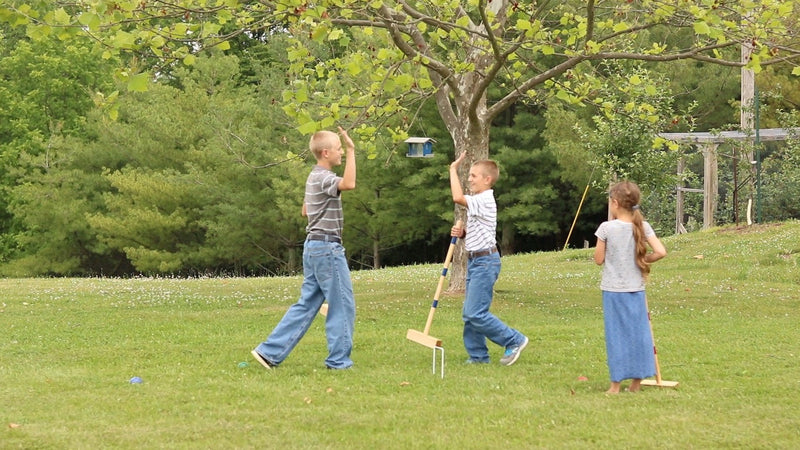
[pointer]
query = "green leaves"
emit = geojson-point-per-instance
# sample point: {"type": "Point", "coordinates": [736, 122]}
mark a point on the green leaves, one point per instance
{"type": "Point", "coordinates": [138, 82]}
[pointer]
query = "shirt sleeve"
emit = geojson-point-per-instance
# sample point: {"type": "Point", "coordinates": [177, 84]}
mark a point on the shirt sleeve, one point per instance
{"type": "Point", "coordinates": [330, 185]}
{"type": "Point", "coordinates": [648, 230]}
{"type": "Point", "coordinates": [602, 231]}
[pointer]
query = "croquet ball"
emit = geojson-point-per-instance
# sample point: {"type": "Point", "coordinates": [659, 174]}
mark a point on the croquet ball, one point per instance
{"type": "Point", "coordinates": [243, 364]}
{"type": "Point", "coordinates": [136, 380]}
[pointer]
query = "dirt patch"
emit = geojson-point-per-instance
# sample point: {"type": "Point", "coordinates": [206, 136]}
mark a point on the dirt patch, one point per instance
{"type": "Point", "coordinates": [745, 229]}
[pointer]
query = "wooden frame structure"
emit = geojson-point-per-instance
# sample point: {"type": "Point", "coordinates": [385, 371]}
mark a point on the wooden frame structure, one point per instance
{"type": "Point", "coordinates": [709, 142]}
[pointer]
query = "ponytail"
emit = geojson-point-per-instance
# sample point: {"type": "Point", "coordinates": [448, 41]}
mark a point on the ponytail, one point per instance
{"type": "Point", "coordinates": [627, 195]}
{"type": "Point", "coordinates": [641, 242]}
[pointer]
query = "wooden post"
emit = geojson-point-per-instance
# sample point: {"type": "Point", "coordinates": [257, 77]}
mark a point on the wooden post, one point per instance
{"type": "Point", "coordinates": [747, 86]}
{"type": "Point", "coordinates": [679, 199]}
{"type": "Point", "coordinates": [710, 182]}
{"type": "Point", "coordinates": [746, 118]}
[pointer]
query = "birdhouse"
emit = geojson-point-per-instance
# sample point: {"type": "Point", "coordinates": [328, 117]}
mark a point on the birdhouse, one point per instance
{"type": "Point", "coordinates": [419, 147]}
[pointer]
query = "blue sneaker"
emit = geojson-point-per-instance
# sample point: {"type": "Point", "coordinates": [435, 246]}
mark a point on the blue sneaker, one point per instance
{"type": "Point", "coordinates": [512, 353]}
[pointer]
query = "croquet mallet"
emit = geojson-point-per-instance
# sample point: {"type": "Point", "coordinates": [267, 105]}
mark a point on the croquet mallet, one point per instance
{"type": "Point", "coordinates": [658, 381]}
{"type": "Point", "coordinates": [422, 337]}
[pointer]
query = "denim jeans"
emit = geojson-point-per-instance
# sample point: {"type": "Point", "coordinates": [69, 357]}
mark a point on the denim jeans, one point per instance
{"type": "Point", "coordinates": [326, 277]}
{"type": "Point", "coordinates": [479, 323]}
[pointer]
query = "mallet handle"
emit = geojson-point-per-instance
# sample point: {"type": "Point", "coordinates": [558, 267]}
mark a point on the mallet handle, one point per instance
{"type": "Point", "coordinates": [447, 259]}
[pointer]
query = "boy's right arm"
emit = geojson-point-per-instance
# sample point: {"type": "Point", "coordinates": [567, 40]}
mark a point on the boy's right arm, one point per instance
{"type": "Point", "coordinates": [455, 183]}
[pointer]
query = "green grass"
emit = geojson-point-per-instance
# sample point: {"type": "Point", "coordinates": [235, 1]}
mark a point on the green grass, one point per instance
{"type": "Point", "coordinates": [726, 327]}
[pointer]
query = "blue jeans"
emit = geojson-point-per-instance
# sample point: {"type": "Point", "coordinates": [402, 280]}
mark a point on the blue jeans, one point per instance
{"type": "Point", "coordinates": [326, 276]}
{"type": "Point", "coordinates": [479, 323]}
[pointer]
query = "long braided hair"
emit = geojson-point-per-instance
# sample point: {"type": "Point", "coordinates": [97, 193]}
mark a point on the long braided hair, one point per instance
{"type": "Point", "coordinates": [627, 195]}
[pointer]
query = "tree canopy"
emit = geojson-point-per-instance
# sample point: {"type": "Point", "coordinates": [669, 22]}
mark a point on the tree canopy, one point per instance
{"type": "Point", "coordinates": [374, 66]}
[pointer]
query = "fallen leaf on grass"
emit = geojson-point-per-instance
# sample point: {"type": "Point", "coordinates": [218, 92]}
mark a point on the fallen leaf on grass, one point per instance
{"type": "Point", "coordinates": [307, 400]}
{"type": "Point", "coordinates": [13, 425]}
{"type": "Point", "coordinates": [405, 383]}
{"type": "Point", "coordinates": [697, 256]}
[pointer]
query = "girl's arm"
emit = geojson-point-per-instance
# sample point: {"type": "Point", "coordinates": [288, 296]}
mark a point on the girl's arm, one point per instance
{"type": "Point", "coordinates": [600, 252]}
{"type": "Point", "coordinates": [659, 251]}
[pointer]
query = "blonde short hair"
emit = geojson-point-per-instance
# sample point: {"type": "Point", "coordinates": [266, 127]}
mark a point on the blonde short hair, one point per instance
{"type": "Point", "coordinates": [490, 169]}
{"type": "Point", "coordinates": [322, 140]}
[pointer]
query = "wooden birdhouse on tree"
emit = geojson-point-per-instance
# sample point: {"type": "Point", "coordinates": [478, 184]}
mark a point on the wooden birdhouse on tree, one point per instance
{"type": "Point", "coordinates": [419, 147]}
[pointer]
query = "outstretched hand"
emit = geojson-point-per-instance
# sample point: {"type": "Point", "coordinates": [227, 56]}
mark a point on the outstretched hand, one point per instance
{"type": "Point", "coordinates": [348, 143]}
{"type": "Point", "coordinates": [455, 164]}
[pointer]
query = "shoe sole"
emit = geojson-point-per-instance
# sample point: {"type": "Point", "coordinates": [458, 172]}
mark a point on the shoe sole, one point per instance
{"type": "Point", "coordinates": [261, 359]}
{"type": "Point", "coordinates": [519, 352]}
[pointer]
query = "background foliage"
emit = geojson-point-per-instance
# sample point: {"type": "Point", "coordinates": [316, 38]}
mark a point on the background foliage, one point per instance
{"type": "Point", "coordinates": [128, 149]}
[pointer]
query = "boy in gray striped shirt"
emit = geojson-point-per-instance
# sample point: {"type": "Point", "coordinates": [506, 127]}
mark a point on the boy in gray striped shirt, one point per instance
{"type": "Point", "coordinates": [483, 265]}
{"type": "Point", "coordinates": [325, 270]}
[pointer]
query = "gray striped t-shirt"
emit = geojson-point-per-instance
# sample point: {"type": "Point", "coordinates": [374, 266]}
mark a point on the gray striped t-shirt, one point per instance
{"type": "Point", "coordinates": [481, 221]}
{"type": "Point", "coordinates": [323, 203]}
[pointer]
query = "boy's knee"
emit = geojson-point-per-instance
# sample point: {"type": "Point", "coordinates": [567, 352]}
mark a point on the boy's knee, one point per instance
{"type": "Point", "coordinates": [472, 317]}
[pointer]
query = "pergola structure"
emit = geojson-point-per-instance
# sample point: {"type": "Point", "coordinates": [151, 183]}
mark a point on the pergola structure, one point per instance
{"type": "Point", "coordinates": [709, 142]}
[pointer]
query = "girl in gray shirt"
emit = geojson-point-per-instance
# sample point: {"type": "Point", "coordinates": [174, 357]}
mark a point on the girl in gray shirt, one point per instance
{"type": "Point", "coordinates": [622, 249]}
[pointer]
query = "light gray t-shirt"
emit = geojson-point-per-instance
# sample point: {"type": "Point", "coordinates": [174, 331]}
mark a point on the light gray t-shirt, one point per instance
{"type": "Point", "coordinates": [620, 272]}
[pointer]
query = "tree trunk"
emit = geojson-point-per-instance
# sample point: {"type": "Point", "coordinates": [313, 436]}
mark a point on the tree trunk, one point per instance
{"type": "Point", "coordinates": [475, 141]}
{"type": "Point", "coordinates": [508, 240]}
{"type": "Point", "coordinates": [376, 254]}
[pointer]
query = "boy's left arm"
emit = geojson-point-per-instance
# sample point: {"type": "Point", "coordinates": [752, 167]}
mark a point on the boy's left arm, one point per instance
{"type": "Point", "coordinates": [348, 181]}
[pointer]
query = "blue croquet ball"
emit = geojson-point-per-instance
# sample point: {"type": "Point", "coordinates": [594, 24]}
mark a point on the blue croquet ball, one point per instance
{"type": "Point", "coordinates": [243, 364]}
{"type": "Point", "coordinates": [136, 380]}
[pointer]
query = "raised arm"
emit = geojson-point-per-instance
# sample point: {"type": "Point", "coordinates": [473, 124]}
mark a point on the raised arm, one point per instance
{"type": "Point", "coordinates": [455, 182]}
{"type": "Point", "coordinates": [348, 181]}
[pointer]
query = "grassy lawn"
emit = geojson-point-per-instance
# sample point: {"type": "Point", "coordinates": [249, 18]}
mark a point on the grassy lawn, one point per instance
{"type": "Point", "coordinates": [725, 307]}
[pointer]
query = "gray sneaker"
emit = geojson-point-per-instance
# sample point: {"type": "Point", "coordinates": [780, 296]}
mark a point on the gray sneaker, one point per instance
{"type": "Point", "coordinates": [512, 353]}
